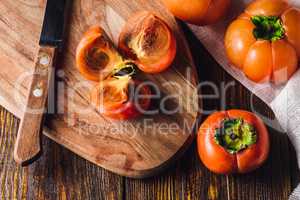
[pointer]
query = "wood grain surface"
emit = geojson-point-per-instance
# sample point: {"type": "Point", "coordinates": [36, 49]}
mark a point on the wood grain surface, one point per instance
{"type": "Point", "coordinates": [134, 148]}
{"type": "Point", "coordinates": [60, 174]}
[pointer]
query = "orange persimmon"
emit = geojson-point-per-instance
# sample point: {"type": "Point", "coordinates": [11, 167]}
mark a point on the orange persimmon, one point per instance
{"type": "Point", "coordinates": [149, 41]}
{"type": "Point", "coordinates": [234, 141]}
{"type": "Point", "coordinates": [199, 12]}
{"type": "Point", "coordinates": [264, 41]}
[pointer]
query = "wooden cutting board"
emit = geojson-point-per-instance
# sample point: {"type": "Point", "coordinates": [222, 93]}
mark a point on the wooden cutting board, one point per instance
{"type": "Point", "coordinates": [135, 148]}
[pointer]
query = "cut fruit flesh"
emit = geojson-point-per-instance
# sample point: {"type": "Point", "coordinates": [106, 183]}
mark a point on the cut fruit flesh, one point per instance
{"type": "Point", "coordinates": [148, 40]}
{"type": "Point", "coordinates": [116, 97]}
{"type": "Point", "coordinates": [152, 42]}
{"type": "Point", "coordinates": [115, 91]}
{"type": "Point", "coordinates": [95, 56]}
{"type": "Point", "coordinates": [111, 93]}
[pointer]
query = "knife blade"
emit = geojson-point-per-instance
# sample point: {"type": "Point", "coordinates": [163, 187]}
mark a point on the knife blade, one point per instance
{"type": "Point", "coordinates": [28, 143]}
{"type": "Point", "coordinates": [54, 23]}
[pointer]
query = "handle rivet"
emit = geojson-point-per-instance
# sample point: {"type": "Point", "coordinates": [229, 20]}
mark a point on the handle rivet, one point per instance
{"type": "Point", "coordinates": [44, 60]}
{"type": "Point", "coordinates": [38, 92]}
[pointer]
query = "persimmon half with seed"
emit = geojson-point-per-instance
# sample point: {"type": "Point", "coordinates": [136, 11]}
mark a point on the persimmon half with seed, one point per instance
{"type": "Point", "coordinates": [120, 96]}
{"type": "Point", "coordinates": [264, 41]}
{"type": "Point", "coordinates": [96, 56]}
{"type": "Point", "coordinates": [149, 41]}
{"type": "Point", "coordinates": [234, 141]}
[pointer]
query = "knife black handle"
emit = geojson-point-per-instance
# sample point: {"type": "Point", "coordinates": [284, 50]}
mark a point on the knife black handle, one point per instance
{"type": "Point", "coordinates": [28, 145]}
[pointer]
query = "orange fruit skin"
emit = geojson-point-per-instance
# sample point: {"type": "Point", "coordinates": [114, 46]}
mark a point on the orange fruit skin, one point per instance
{"type": "Point", "coordinates": [284, 61]}
{"type": "Point", "coordinates": [267, 7]}
{"type": "Point", "coordinates": [238, 40]}
{"type": "Point", "coordinates": [213, 156]}
{"type": "Point", "coordinates": [291, 22]}
{"type": "Point", "coordinates": [263, 61]}
{"type": "Point", "coordinates": [255, 155]}
{"type": "Point", "coordinates": [217, 159]}
{"type": "Point", "coordinates": [199, 12]}
{"type": "Point", "coordinates": [258, 62]}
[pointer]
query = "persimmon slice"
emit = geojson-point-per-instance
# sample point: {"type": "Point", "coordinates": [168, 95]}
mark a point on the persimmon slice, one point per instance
{"type": "Point", "coordinates": [149, 40]}
{"type": "Point", "coordinates": [95, 55]}
{"type": "Point", "coordinates": [116, 97]}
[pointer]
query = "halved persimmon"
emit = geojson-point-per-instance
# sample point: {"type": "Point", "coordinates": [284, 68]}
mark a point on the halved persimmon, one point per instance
{"type": "Point", "coordinates": [120, 96]}
{"type": "Point", "coordinates": [149, 41]}
{"type": "Point", "coordinates": [264, 41]}
{"type": "Point", "coordinates": [96, 56]}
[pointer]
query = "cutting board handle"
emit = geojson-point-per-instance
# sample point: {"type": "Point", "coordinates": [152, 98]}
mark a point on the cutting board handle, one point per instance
{"type": "Point", "coordinates": [28, 143]}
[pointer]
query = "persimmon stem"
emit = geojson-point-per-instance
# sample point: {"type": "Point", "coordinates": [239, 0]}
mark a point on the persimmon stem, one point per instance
{"type": "Point", "coordinates": [125, 69]}
{"type": "Point", "coordinates": [235, 135]}
{"type": "Point", "coordinates": [268, 28]}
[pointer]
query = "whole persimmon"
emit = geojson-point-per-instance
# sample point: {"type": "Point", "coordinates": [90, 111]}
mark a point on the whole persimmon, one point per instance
{"type": "Point", "coordinates": [199, 12]}
{"type": "Point", "coordinates": [234, 141]}
{"type": "Point", "coordinates": [264, 41]}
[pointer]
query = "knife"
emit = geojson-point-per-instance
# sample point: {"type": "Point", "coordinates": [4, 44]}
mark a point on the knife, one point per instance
{"type": "Point", "coordinates": [28, 142]}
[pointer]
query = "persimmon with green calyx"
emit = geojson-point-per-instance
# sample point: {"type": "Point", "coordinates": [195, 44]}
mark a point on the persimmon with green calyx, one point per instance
{"type": "Point", "coordinates": [263, 41]}
{"type": "Point", "coordinates": [235, 135]}
{"type": "Point", "coordinates": [234, 141]}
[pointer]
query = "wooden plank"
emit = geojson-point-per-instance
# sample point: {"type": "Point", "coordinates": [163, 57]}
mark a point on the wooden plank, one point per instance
{"type": "Point", "coordinates": [188, 179]}
{"type": "Point", "coordinates": [58, 174]}
{"type": "Point", "coordinates": [13, 178]}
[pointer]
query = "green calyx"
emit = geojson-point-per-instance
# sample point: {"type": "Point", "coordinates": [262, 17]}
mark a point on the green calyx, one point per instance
{"type": "Point", "coordinates": [268, 28]}
{"type": "Point", "coordinates": [235, 135]}
{"type": "Point", "coordinates": [125, 69]}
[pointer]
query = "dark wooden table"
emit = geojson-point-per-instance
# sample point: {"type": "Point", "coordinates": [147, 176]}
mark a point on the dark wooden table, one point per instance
{"type": "Point", "coordinates": [60, 174]}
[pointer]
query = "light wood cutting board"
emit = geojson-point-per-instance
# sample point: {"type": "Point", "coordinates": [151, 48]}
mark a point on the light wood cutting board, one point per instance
{"type": "Point", "coordinates": [134, 148]}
